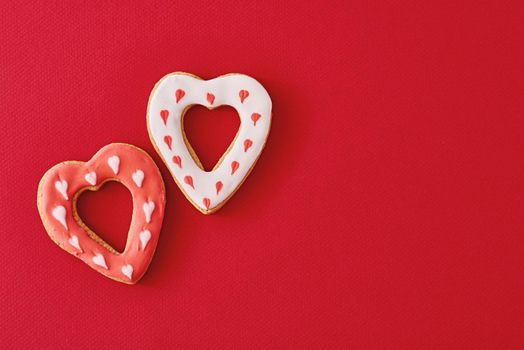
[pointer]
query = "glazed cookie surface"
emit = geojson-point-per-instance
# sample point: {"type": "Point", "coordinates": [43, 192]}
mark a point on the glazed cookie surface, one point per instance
{"type": "Point", "coordinates": [58, 192]}
{"type": "Point", "coordinates": [172, 96]}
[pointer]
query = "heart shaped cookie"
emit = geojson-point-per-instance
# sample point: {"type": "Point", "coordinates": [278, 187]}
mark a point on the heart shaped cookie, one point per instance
{"type": "Point", "coordinates": [62, 184]}
{"type": "Point", "coordinates": [172, 96]}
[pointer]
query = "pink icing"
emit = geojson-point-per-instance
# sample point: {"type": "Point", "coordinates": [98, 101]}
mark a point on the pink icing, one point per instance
{"type": "Point", "coordinates": [151, 190]}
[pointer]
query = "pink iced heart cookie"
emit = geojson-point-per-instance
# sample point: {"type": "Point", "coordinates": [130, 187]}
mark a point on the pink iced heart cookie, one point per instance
{"type": "Point", "coordinates": [62, 184]}
{"type": "Point", "coordinates": [177, 92]}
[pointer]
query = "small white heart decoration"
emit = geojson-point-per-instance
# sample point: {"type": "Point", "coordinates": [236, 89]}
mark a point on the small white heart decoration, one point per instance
{"type": "Point", "coordinates": [73, 241]}
{"type": "Point", "coordinates": [169, 100]}
{"type": "Point", "coordinates": [91, 178]}
{"type": "Point", "coordinates": [127, 270]}
{"type": "Point", "coordinates": [148, 210]}
{"type": "Point", "coordinates": [114, 163]}
{"type": "Point", "coordinates": [99, 260]}
{"type": "Point", "coordinates": [145, 236]}
{"type": "Point", "coordinates": [61, 186]}
{"type": "Point", "coordinates": [138, 177]}
{"type": "Point", "coordinates": [59, 213]}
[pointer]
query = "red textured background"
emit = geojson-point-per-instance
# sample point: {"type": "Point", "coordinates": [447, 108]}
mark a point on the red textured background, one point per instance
{"type": "Point", "coordinates": [385, 213]}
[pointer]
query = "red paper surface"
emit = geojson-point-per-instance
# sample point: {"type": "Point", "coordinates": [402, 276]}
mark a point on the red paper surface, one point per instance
{"type": "Point", "coordinates": [385, 213]}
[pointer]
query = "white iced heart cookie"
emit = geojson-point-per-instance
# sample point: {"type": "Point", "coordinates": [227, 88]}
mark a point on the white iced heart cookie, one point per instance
{"type": "Point", "coordinates": [169, 100]}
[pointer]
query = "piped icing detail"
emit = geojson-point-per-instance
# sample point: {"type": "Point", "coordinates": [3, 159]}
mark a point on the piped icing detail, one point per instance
{"type": "Point", "coordinates": [61, 186]}
{"type": "Point", "coordinates": [127, 270]}
{"type": "Point", "coordinates": [114, 163]}
{"type": "Point", "coordinates": [74, 242]}
{"type": "Point", "coordinates": [145, 236]}
{"type": "Point", "coordinates": [91, 178]}
{"type": "Point", "coordinates": [148, 207]}
{"type": "Point", "coordinates": [99, 260]}
{"type": "Point", "coordinates": [138, 177]}
{"type": "Point", "coordinates": [59, 213]}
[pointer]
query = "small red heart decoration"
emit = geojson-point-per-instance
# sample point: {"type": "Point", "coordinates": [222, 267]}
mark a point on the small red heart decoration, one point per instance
{"type": "Point", "coordinates": [178, 161]}
{"type": "Point", "coordinates": [179, 94]}
{"type": "Point", "coordinates": [255, 117]}
{"type": "Point", "coordinates": [189, 180]}
{"type": "Point", "coordinates": [243, 94]}
{"type": "Point", "coordinates": [168, 141]}
{"type": "Point", "coordinates": [219, 186]}
{"type": "Point", "coordinates": [210, 98]}
{"type": "Point", "coordinates": [164, 114]}
{"type": "Point", "coordinates": [247, 143]}
{"type": "Point", "coordinates": [234, 167]}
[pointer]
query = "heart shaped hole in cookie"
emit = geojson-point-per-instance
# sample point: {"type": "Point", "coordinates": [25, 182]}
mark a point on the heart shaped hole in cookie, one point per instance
{"type": "Point", "coordinates": [107, 212]}
{"type": "Point", "coordinates": [209, 133]}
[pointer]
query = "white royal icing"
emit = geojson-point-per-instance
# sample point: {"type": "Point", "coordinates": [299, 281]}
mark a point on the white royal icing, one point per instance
{"type": "Point", "coordinates": [114, 163]}
{"type": "Point", "coordinates": [91, 178]}
{"type": "Point", "coordinates": [148, 210]}
{"type": "Point", "coordinates": [127, 270]}
{"type": "Point", "coordinates": [74, 242]}
{"type": "Point", "coordinates": [100, 261]}
{"type": "Point", "coordinates": [61, 186]}
{"type": "Point", "coordinates": [59, 213]}
{"type": "Point", "coordinates": [138, 177]}
{"type": "Point", "coordinates": [145, 236]}
{"type": "Point", "coordinates": [239, 91]}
